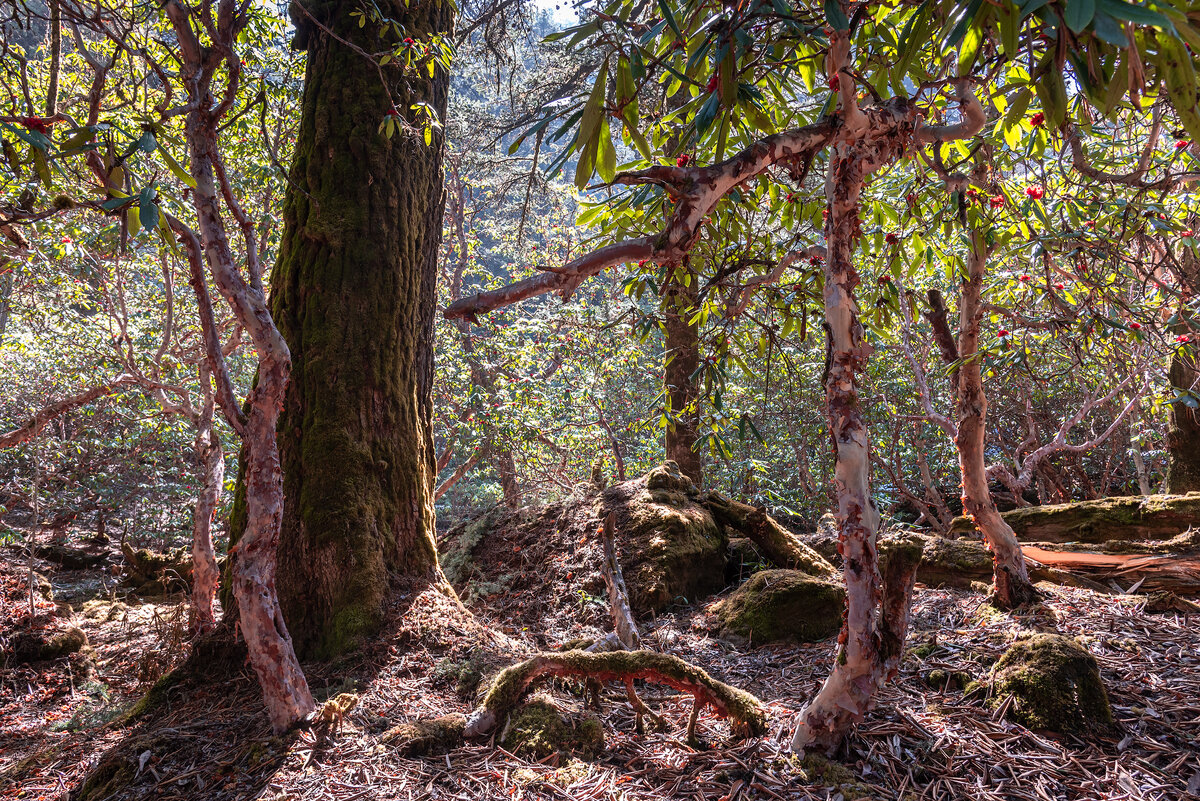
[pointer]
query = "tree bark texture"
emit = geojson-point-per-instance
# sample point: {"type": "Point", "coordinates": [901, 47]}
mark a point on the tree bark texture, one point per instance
{"type": "Point", "coordinates": [211, 458]}
{"type": "Point", "coordinates": [354, 295]}
{"type": "Point", "coordinates": [1012, 586]}
{"type": "Point", "coordinates": [682, 356]}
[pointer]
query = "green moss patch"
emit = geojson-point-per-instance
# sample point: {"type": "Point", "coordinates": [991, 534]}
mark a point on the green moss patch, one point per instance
{"type": "Point", "coordinates": [671, 549]}
{"type": "Point", "coordinates": [37, 646]}
{"type": "Point", "coordinates": [1054, 683]}
{"type": "Point", "coordinates": [424, 737]}
{"type": "Point", "coordinates": [539, 728]}
{"type": "Point", "coordinates": [776, 605]}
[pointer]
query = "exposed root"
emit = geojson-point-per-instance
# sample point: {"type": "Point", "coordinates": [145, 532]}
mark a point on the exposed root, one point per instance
{"type": "Point", "coordinates": [513, 683]}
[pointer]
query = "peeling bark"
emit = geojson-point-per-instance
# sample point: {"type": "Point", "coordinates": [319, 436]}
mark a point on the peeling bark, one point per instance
{"type": "Point", "coordinates": [260, 619]}
{"type": "Point", "coordinates": [205, 574]}
{"type": "Point", "coordinates": [1011, 584]}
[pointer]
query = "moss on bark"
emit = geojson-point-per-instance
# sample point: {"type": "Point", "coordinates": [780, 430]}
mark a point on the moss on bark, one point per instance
{"type": "Point", "coordinates": [353, 294]}
{"type": "Point", "coordinates": [539, 728]}
{"type": "Point", "coordinates": [1135, 517]}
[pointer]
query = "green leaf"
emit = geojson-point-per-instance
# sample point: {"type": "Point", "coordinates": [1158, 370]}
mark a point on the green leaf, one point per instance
{"type": "Point", "coordinates": [41, 165]}
{"type": "Point", "coordinates": [665, 8]}
{"type": "Point", "coordinates": [147, 208]}
{"type": "Point", "coordinates": [1133, 13]}
{"type": "Point", "coordinates": [833, 15]}
{"type": "Point", "coordinates": [176, 168]}
{"type": "Point", "coordinates": [1078, 14]}
{"type": "Point", "coordinates": [606, 161]}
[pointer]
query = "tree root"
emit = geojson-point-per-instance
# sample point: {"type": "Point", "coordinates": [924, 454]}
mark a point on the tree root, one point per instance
{"type": "Point", "coordinates": [513, 683]}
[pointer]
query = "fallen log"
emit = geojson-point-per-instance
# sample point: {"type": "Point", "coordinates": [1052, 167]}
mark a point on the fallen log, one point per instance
{"type": "Point", "coordinates": [511, 685]}
{"type": "Point", "coordinates": [1178, 573]}
{"type": "Point", "coordinates": [1137, 517]}
{"type": "Point", "coordinates": [778, 544]}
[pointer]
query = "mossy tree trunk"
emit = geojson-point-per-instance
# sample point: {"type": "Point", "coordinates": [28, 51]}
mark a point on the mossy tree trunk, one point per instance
{"type": "Point", "coordinates": [682, 357]}
{"type": "Point", "coordinates": [354, 297]}
{"type": "Point", "coordinates": [1011, 584]}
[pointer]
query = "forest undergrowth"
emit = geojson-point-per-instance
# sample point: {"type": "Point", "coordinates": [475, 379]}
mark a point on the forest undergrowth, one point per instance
{"type": "Point", "coordinates": [82, 726]}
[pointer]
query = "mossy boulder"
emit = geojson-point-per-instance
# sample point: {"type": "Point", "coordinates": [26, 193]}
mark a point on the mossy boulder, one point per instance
{"type": "Point", "coordinates": [149, 572]}
{"type": "Point", "coordinates": [776, 605]}
{"type": "Point", "coordinates": [539, 728]}
{"type": "Point", "coordinates": [1055, 685]}
{"type": "Point", "coordinates": [38, 646]}
{"type": "Point", "coordinates": [954, 563]}
{"type": "Point", "coordinates": [424, 737]}
{"type": "Point", "coordinates": [671, 548]}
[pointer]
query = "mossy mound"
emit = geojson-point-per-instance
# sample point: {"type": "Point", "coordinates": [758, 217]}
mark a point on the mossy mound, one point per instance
{"type": "Point", "coordinates": [457, 555]}
{"type": "Point", "coordinates": [1054, 683]}
{"type": "Point", "coordinates": [822, 771]}
{"type": "Point", "coordinates": [38, 646]}
{"type": "Point", "coordinates": [424, 737]}
{"type": "Point", "coordinates": [150, 572]}
{"type": "Point", "coordinates": [776, 605]}
{"type": "Point", "coordinates": [539, 728]}
{"type": "Point", "coordinates": [671, 549]}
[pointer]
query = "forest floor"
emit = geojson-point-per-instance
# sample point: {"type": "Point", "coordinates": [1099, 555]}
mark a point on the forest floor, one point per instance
{"type": "Point", "coordinates": [208, 738]}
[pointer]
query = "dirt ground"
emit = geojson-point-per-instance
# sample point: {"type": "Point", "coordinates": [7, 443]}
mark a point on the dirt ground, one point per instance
{"type": "Point", "coordinates": [208, 738]}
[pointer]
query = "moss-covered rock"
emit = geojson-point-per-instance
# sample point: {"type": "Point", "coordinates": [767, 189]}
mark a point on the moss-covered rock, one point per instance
{"type": "Point", "coordinates": [954, 563]}
{"type": "Point", "coordinates": [671, 549]}
{"type": "Point", "coordinates": [37, 646]}
{"type": "Point", "coordinates": [149, 572]}
{"type": "Point", "coordinates": [1055, 685]}
{"type": "Point", "coordinates": [539, 728]}
{"type": "Point", "coordinates": [778, 605]}
{"type": "Point", "coordinates": [424, 737]}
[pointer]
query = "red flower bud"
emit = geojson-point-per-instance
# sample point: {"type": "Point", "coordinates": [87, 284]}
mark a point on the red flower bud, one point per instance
{"type": "Point", "coordinates": [683, 160]}
{"type": "Point", "coordinates": [1035, 192]}
{"type": "Point", "coordinates": [996, 201]}
{"type": "Point", "coordinates": [1038, 119]}
{"type": "Point", "coordinates": [1135, 326]}
{"type": "Point", "coordinates": [1181, 144]}
{"type": "Point", "coordinates": [891, 239]}
{"type": "Point", "coordinates": [1003, 332]}
{"type": "Point", "coordinates": [834, 82]}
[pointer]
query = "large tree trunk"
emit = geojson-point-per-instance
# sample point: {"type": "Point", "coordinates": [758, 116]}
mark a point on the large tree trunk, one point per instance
{"type": "Point", "coordinates": [1012, 586]}
{"type": "Point", "coordinates": [682, 356]}
{"type": "Point", "coordinates": [354, 295]}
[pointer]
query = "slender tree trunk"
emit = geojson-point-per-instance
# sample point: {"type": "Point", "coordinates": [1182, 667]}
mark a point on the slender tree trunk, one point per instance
{"type": "Point", "coordinates": [682, 346]}
{"type": "Point", "coordinates": [507, 470]}
{"type": "Point", "coordinates": [6, 288]}
{"type": "Point", "coordinates": [872, 636]}
{"type": "Point", "coordinates": [354, 295]}
{"type": "Point", "coordinates": [211, 457]}
{"type": "Point", "coordinates": [1183, 423]}
{"type": "Point", "coordinates": [1011, 586]}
